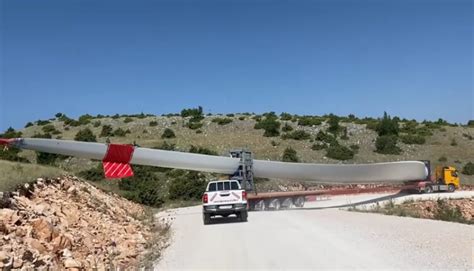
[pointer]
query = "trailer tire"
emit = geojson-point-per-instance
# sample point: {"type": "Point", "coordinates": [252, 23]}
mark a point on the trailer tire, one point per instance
{"type": "Point", "coordinates": [299, 201]}
{"type": "Point", "coordinates": [451, 188]}
{"type": "Point", "coordinates": [206, 218]}
{"type": "Point", "coordinates": [275, 204]}
{"type": "Point", "coordinates": [259, 206]}
{"type": "Point", "coordinates": [428, 189]}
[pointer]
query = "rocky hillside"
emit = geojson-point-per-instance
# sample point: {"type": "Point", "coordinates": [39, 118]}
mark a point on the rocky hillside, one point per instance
{"type": "Point", "coordinates": [65, 223]}
{"type": "Point", "coordinates": [442, 143]}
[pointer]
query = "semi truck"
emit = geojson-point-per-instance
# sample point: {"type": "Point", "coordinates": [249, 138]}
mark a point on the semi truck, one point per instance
{"type": "Point", "coordinates": [445, 178]}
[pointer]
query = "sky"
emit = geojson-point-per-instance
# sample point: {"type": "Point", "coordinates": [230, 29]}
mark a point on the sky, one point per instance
{"type": "Point", "coordinates": [413, 59]}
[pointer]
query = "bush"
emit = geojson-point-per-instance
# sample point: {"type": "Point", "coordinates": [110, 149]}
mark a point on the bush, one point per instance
{"type": "Point", "coordinates": [127, 120]}
{"type": "Point", "coordinates": [241, 118]}
{"type": "Point", "coordinates": [222, 121]}
{"type": "Point", "coordinates": [94, 174]}
{"type": "Point", "coordinates": [290, 155]}
{"type": "Point", "coordinates": [454, 142]}
{"type": "Point", "coordinates": [145, 187]}
{"type": "Point", "coordinates": [318, 146]}
{"type": "Point", "coordinates": [11, 133]}
{"type": "Point", "coordinates": [121, 132]}
{"type": "Point", "coordinates": [153, 123]}
{"type": "Point", "coordinates": [447, 213]}
{"type": "Point", "coordinates": [97, 123]}
{"type": "Point", "coordinates": [85, 135]}
{"type": "Point", "coordinates": [166, 146]}
{"type": "Point", "coordinates": [194, 125]}
{"type": "Point", "coordinates": [309, 121]}
{"type": "Point", "coordinates": [270, 125]}
{"type": "Point", "coordinates": [327, 138]}
{"type": "Point", "coordinates": [354, 148]}
{"type": "Point", "coordinates": [468, 169]}
{"type": "Point", "coordinates": [168, 133]}
{"type": "Point", "coordinates": [413, 139]}
{"type": "Point", "coordinates": [192, 112]}
{"type": "Point", "coordinates": [48, 128]}
{"type": "Point", "coordinates": [106, 131]}
{"type": "Point", "coordinates": [84, 119]}
{"type": "Point", "coordinates": [339, 152]}
{"type": "Point", "coordinates": [297, 135]}
{"type": "Point", "coordinates": [202, 150]}
{"type": "Point", "coordinates": [29, 124]}
{"type": "Point", "coordinates": [387, 126]}
{"type": "Point", "coordinates": [42, 122]}
{"type": "Point", "coordinates": [387, 144]}
{"type": "Point", "coordinates": [230, 115]}
{"type": "Point", "coordinates": [470, 123]}
{"type": "Point", "coordinates": [287, 128]}
{"type": "Point", "coordinates": [285, 116]}
{"type": "Point", "coordinates": [188, 186]}
{"type": "Point", "coordinates": [334, 126]}
{"type": "Point", "coordinates": [443, 159]}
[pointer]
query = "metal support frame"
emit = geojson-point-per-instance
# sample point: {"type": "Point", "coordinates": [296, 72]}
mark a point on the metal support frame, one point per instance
{"type": "Point", "coordinates": [244, 173]}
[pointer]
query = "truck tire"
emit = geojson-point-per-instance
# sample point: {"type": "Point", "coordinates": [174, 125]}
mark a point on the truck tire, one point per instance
{"type": "Point", "coordinates": [451, 188]}
{"type": "Point", "coordinates": [243, 216]}
{"type": "Point", "coordinates": [206, 218]}
{"type": "Point", "coordinates": [428, 189]}
{"type": "Point", "coordinates": [299, 202]}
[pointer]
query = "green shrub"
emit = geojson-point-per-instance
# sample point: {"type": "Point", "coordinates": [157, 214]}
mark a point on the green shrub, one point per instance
{"type": "Point", "coordinates": [48, 128]}
{"type": "Point", "coordinates": [168, 133]}
{"type": "Point", "coordinates": [290, 155]}
{"type": "Point", "coordinates": [192, 112]}
{"type": "Point", "coordinates": [119, 132]}
{"type": "Point", "coordinates": [94, 174]}
{"type": "Point", "coordinates": [270, 125]}
{"type": "Point", "coordinates": [230, 115]}
{"type": "Point", "coordinates": [443, 159]}
{"type": "Point", "coordinates": [297, 135]}
{"type": "Point", "coordinates": [84, 119]}
{"type": "Point", "coordinates": [327, 138]}
{"type": "Point", "coordinates": [339, 152]}
{"type": "Point", "coordinates": [470, 123]}
{"type": "Point", "coordinates": [85, 135]}
{"type": "Point", "coordinates": [194, 125]}
{"type": "Point", "coordinates": [116, 116]}
{"type": "Point", "coordinates": [241, 118]}
{"type": "Point", "coordinates": [454, 142]}
{"type": "Point", "coordinates": [355, 148]}
{"type": "Point", "coordinates": [372, 125]}
{"type": "Point", "coordinates": [11, 133]}
{"type": "Point", "coordinates": [468, 168]}
{"type": "Point", "coordinates": [387, 126]}
{"type": "Point", "coordinates": [285, 116]}
{"type": "Point", "coordinates": [222, 121]}
{"type": "Point", "coordinates": [106, 131]}
{"type": "Point", "coordinates": [188, 186]}
{"type": "Point", "coordinates": [29, 124]}
{"type": "Point", "coordinates": [447, 213]}
{"type": "Point", "coordinates": [334, 126]}
{"type": "Point", "coordinates": [153, 123]}
{"type": "Point", "coordinates": [127, 120]}
{"type": "Point", "coordinates": [413, 139]}
{"type": "Point", "coordinates": [97, 123]}
{"type": "Point", "coordinates": [166, 146]}
{"type": "Point", "coordinates": [145, 187]}
{"type": "Point", "coordinates": [318, 146]}
{"type": "Point", "coordinates": [468, 136]}
{"type": "Point", "coordinates": [42, 122]}
{"type": "Point", "coordinates": [287, 128]}
{"type": "Point", "coordinates": [387, 144]}
{"type": "Point", "coordinates": [202, 150]}
{"type": "Point", "coordinates": [309, 121]}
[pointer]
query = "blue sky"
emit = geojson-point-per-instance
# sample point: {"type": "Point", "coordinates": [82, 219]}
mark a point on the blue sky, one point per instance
{"type": "Point", "coordinates": [410, 58]}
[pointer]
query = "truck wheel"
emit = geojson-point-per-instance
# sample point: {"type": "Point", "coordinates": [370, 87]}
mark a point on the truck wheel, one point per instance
{"type": "Point", "coordinates": [206, 218]}
{"type": "Point", "coordinates": [225, 215]}
{"type": "Point", "coordinates": [276, 204]}
{"type": "Point", "coordinates": [428, 189]}
{"type": "Point", "coordinates": [243, 216]}
{"type": "Point", "coordinates": [299, 202]}
{"type": "Point", "coordinates": [451, 188]}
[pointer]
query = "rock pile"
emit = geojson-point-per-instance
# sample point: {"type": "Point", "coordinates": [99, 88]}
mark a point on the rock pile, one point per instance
{"type": "Point", "coordinates": [430, 208]}
{"type": "Point", "coordinates": [66, 223]}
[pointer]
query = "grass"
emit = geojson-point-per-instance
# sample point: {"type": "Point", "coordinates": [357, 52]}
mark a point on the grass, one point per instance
{"type": "Point", "coordinates": [12, 173]}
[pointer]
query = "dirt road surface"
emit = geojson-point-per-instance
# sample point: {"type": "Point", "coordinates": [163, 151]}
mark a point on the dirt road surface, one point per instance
{"type": "Point", "coordinates": [316, 237]}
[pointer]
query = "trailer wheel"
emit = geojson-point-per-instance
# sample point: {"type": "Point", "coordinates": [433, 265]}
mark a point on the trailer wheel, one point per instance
{"type": "Point", "coordinates": [275, 204]}
{"type": "Point", "coordinates": [287, 203]}
{"type": "Point", "coordinates": [243, 216]}
{"type": "Point", "coordinates": [451, 188]}
{"type": "Point", "coordinates": [299, 202]}
{"type": "Point", "coordinates": [428, 189]}
{"type": "Point", "coordinates": [259, 206]}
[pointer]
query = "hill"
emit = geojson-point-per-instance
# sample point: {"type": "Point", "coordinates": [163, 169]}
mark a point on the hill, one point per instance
{"type": "Point", "coordinates": [314, 139]}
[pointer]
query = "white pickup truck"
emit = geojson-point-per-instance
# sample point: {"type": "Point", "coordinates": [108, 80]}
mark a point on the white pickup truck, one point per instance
{"type": "Point", "coordinates": [224, 198]}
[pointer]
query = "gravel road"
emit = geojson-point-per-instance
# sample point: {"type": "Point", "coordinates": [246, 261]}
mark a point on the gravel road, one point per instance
{"type": "Point", "coordinates": [316, 237]}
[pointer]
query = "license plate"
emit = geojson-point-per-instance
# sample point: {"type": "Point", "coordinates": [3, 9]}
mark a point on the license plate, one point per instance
{"type": "Point", "coordinates": [225, 207]}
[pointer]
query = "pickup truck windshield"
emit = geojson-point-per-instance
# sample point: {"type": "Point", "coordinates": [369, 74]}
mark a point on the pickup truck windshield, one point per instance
{"type": "Point", "coordinates": [222, 186]}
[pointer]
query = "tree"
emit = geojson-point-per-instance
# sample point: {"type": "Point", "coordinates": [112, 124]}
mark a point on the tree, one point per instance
{"type": "Point", "coordinates": [333, 124]}
{"type": "Point", "coordinates": [387, 144]}
{"type": "Point", "coordinates": [270, 124]}
{"type": "Point", "coordinates": [168, 133]}
{"type": "Point", "coordinates": [85, 135]}
{"type": "Point", "coordinates": [290, 155]}
{"type": "Point", "coordinates": [387, 126]}
{"type": "Point", "coordinates": [106, 131]}
{"type": "Point", "coordinates": [339, 152]}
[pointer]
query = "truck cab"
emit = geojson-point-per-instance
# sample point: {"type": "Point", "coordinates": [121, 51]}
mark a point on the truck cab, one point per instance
{"type": "Point", "coordinates": [447, 176]}
{"type": "Point", "coordinates": [224, 198]}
